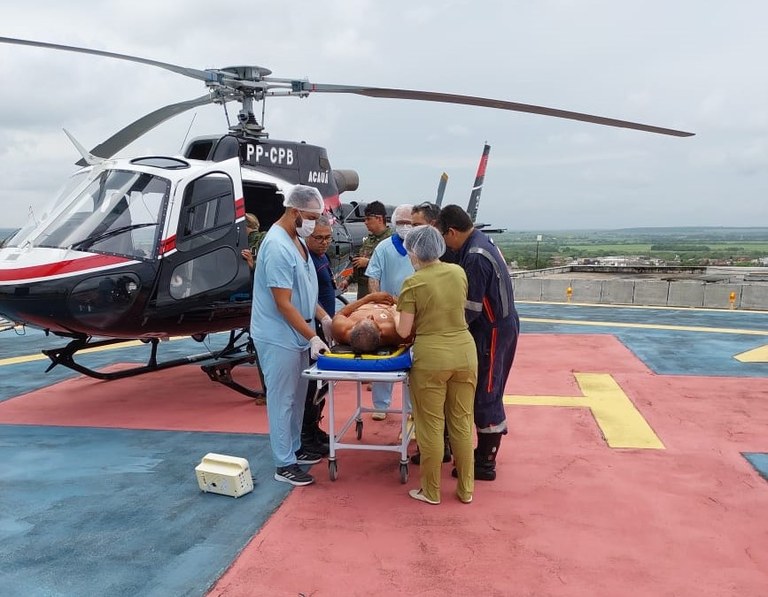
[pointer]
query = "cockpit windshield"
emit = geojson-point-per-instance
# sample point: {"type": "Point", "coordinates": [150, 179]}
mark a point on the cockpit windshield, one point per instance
{"type": "Point", "coordinates": [118, 213]}
{"type": "Point", "coordinates": [36, 219]}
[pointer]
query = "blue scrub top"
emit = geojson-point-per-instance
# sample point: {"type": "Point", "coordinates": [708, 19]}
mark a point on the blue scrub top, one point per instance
{"type": "Point", "coordinates": [389, 267]}
{"type": "Point", "coordinates": [280, 265]}
{"type": "Point", "coordinates": [326, 295]}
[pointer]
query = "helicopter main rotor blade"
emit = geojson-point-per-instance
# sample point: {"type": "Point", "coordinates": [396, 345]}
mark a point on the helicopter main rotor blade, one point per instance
{"type": "Point", "coordinates": [181, 70]}
{"type": "Point", "coordinates": [450, 98]}
{"type": "Point", "coordinates": [143, 125]}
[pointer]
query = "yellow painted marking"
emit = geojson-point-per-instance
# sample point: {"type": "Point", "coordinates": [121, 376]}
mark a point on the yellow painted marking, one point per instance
{"type": "Point", "coordinates": [620, 422]}
{"type": "Point", "coordinates": [41, 357]}
{"type": "Point", "coordinates": [647, 326]}
{"type": "Point", "coordinates": [756, 355]}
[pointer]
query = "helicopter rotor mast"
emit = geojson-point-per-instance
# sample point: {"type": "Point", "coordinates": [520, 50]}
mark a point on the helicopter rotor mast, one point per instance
{"type": "Point", "coordinates": [249, 84]}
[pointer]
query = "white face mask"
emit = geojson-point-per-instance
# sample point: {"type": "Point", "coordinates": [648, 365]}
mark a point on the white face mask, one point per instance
{"type": "Point", "coordinates": [402, 230]}
{"type": "Point", "coordinates": [307, 227]}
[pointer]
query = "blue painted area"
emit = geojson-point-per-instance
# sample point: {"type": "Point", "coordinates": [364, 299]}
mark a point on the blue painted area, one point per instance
{"type": "Point", "coordinates": [667, 352]}
{"type": "Point", "coordinates": [747, 320]}
{"type": "Point", "coordinates": [759, 461]}
{"type": "Point", "coordinates": [119, 512]}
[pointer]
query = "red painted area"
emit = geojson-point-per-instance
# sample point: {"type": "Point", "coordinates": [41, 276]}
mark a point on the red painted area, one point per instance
{"type": "Point", "coordinates": [240, 207]}
{"type": "Point", "coordinates": [168, 244]}
{"type": "Point", "coordinates": [567, 515]}
{"type": "Point", "coordinates": [60, 268]}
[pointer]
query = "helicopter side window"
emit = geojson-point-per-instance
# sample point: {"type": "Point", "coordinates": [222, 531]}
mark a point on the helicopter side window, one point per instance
{"type": "Point", "coordinates": [207, 272]}
{"type": "Point", "coordinates": [208, 212]}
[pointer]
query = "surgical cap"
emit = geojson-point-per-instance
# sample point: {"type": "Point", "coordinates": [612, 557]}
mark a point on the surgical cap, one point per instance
{"type": "Point", "coordinates": [425, 243]}
{"type": "Point", "coordinates": [305, 198]}
{"type": "Point", "coordinates": [403, 213]}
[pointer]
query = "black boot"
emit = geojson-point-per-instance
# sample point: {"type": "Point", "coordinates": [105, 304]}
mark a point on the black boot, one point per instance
{"type": "Point", "coordinates": [485, 456]}
{"type": "Point", "coordinates": [313, 439]}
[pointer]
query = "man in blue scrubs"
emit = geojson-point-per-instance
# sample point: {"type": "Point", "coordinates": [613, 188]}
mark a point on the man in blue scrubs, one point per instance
{"type": "Point", "coordinates": [284, 306]}
{"type": "Point", "coordinates": [387, 270]}
{"type": "Point", "coordinates": [313, 438]}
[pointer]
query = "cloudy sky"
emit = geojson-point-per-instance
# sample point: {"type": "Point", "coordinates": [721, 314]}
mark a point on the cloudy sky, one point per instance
{"type": "Point", "coordinates": [693, 65]}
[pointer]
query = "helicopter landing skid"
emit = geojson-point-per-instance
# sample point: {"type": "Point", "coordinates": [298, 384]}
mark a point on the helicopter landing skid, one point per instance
{"type": "Point", "coordinates": [221, 371]}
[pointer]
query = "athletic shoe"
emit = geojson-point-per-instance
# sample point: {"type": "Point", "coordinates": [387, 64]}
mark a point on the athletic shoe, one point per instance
{"type": "Point", "coordinates": [467, 501]}
{"type": "Point", "coordinates": [294, 475]}
{"type": "Point", "coordinates": [416, 494]}
{"type": "Point", "coordinates": [304, 457]}
{"type": "Point", "coordinates": [379, 416]}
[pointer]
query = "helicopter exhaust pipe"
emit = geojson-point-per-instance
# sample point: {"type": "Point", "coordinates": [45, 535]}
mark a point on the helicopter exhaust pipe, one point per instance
{"type": "Point", "coordinates": [346, 180]}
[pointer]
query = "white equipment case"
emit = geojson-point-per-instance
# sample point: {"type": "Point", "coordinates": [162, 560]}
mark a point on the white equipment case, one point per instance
{"type": "Point", "coordinates": [227, 475]}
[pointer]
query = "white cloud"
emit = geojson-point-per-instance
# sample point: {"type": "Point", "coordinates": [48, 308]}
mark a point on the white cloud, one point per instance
{"type": "Point", "coordinates": [682, 65]}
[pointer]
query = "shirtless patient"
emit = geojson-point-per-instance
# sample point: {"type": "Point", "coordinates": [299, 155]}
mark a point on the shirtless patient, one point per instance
{"type": "Point", "coordinates": [368, 323]}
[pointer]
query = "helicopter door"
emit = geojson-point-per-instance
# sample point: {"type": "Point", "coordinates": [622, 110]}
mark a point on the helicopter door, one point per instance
{"type": "Point", "coordinates": [206, 266]}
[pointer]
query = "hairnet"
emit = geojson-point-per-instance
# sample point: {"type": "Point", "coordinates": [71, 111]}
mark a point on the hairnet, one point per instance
{"type": "Point", "coordinates": [305, 198]}
{"type": "Point", "coordinates": [402, 212]}
{"type": "Point", "coordinates": [425, 243]}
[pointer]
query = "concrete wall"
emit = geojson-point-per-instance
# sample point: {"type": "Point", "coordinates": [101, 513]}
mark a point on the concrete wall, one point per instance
{"type": "Point", "coordinates": [754, 296]}
{"type": "Point", "coordinates": [651, 292]}
{"type": "Point", "coordinates": [661, 293]}
{"type": "Point", "coordinates": [618, 292]}
{"type": "Point", "coordinates": [688, 293]}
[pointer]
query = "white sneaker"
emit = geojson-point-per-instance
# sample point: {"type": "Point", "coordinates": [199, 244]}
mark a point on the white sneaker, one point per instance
{"type": "Point", "coordinates": [417, 495]}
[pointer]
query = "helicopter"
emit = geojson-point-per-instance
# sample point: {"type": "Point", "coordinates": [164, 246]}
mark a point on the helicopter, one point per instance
{"type": "Point", "coordinates": [148, 247]}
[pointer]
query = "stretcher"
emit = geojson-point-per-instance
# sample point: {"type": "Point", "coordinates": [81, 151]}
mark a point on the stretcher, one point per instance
{"type": "Point", "coordinates": [336, 437]}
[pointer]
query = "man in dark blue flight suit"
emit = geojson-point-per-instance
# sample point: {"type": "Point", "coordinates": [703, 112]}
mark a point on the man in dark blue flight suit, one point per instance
{"type": "Point", "coordinates": [493, 323]}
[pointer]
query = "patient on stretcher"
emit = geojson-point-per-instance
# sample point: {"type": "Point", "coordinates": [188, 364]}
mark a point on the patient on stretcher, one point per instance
{"type": "Point", "coordinates": [369, 324]}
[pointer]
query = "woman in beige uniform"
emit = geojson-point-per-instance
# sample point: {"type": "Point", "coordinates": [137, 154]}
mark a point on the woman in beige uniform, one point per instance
{"type": "Point", "coordinates": [444, 372]}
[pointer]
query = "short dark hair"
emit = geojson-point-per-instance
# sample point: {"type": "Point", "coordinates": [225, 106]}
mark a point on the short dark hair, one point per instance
{"type": "Point", "coordinates": [452, 216]}
{"type": "Point", "coordinates": [365, 336]}
{"type": "Point", "coordinates": [376, 208]}
{"type": "Point", "coordinates": [430, 211]}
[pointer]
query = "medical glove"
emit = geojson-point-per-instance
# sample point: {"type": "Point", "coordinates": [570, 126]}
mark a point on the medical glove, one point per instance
{"type": "Point", "coordinates": [325, 322]}
{"type": "Point", "coordinates": [316, 347]}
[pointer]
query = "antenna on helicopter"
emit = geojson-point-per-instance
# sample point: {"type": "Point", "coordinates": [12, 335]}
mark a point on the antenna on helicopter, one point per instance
{"type": "Point", "coordinates": [189, 128]}
{"type": "Point", "coordinates": [89, 158]}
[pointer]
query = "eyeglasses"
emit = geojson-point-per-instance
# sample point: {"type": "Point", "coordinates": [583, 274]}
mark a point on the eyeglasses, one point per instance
{"type": "Point", "coordinates": [323, 239]}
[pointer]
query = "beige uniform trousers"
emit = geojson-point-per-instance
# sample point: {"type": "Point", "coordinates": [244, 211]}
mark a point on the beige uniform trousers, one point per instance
{"type": "Point", "coordinates": [440, 398]}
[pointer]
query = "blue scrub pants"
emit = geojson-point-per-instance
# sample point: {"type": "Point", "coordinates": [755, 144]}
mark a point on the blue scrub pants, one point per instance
{"type": "Point", "coordinates": [382, 394]}
{"type": "Point", "coordinates": [286, 395]}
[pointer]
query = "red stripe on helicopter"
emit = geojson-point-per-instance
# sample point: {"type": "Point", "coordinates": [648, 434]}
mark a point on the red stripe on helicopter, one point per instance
{"type": "Point", "coordinates": [168, 244]}
{"type": "Point", "coordinates": [70, 266]}
{"type": "Point", "coordinates": [332, 202]}
{"type": "Point", "coordinates": [239, 208]}
{"type": "Point", "coordinates": [482, 165]}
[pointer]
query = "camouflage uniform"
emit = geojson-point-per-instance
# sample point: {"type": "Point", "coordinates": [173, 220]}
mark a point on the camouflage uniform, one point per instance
{"type": "Point", "coordinates": [366, 250]}
{"type": "Point", "coordinates": [254, 240]}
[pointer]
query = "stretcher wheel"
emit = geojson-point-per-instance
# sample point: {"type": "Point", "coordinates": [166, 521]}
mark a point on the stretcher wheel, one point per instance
{"type": "Point", "coordinates": [359, 429]}
{"type": "Point", "coordinates": [403, 473]}
{"type": "Point", "coordinates": [333, 470]}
